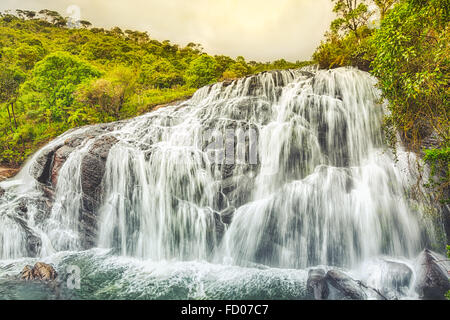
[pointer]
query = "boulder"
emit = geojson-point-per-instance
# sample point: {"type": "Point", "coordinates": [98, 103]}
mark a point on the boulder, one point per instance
{"type": "Point", "coordinates": [398, 275]}
{"type": "Point", "coordinates": [2, 192]}
{"type": "Point", "coordinates": [316, 284]}
{"type": "Point", "coordinates": [432, 276]}
{"type": "Point", "coordinates": [344, 287]}
{"type": "Point", "coordinates": [40, 271]}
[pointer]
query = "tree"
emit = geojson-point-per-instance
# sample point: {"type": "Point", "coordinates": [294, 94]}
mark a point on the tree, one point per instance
{"type": "Point", "coordinates": [25, 14]}
{"type": "Point", "coordinates": [236, 70]}
{"type": "Point", "coordinates": [54, 17]}
{"type": "Point", "coordinates": [52, 84]}
{"type": "Point", "coordinates": [201, 71]}
{"type": "Point", "coordinates": [352, 14]}
{"type": "Point", "coordinates": [85, 24]}
{"type": "Point", "coordinates": [108, 94]}
{"type": "Point", "coordinates": [384, 6]}
{"type": "Point", "coordinates": [160, 74]}
{"type": "Point", "coordinates": [27, 55]}
{"type": "Point", "coordinates": [10, 80]}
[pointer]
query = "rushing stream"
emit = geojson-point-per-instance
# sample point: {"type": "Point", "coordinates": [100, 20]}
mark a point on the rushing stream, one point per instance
{"type": "Point", "coordinates": [234, 194]}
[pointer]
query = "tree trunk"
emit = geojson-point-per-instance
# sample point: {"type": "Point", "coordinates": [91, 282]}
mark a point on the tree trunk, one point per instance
{"type": "Point", "coordinates": [9, 116]}
{"type": "Point", "coordinates": [14, 115]}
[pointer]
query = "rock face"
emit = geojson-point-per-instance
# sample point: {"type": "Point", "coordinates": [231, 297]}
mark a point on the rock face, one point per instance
{"type": "Point", "coordinates": [60, 156]}
{"type": "Point", "coordinates": [317, 285]}
{"type": "Point", "coordinates": [432, 277]}
{"type": "Point", "coordinates": [92, 171]}
{"type": "Point", "coordinates": [40, 271]}
{"type": "Point", "coordinates": [33, 241]}
{"type": "Point", "coordinates": [48, 164]}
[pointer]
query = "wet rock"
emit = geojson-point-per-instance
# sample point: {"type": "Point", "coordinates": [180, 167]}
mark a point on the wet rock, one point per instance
{"type": "Point", "coordinates": [33, 241]}
{"type": "Point", "coordinates": [398, 275]}
{"type": "Point", "coordinates": [2, 192]}
{"type": "Point", "coordinates": [316, 284]}
{"type": "Point", "coordinates": [33, 245]}
{"type": "Point", "coordinates": [343, 287]}
{"type": "Point", "coordinates": [219, 227]}
{"type": "Point", "coordinates": [49, 192]}
{"type": "Point", "coordinates": [432, 276]}
{"type": "Point", "coordinates": [59, 159]}
{"type": "Point", "coordinates": [41, 168]}
{"type": "Point", "coordinates": [22, 207]}
{"type": "Point", "coordinates": [40, 271]}
{"type": "Point", "coordinates": [227, 214]}
{"type": "Point", "coordinates": [92, 171]}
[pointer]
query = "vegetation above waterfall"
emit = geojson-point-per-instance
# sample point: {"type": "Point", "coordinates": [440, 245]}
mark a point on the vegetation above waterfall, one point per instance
{"type": "Point", "coordinates": [405, 44]}
{"type": "Point", "coordinates": [56, 74]}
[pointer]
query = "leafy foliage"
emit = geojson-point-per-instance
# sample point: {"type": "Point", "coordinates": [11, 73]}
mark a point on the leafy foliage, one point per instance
{"type": "Point", "coordinates": [412, 65]}
{"type": "Point", "coordinates": [413, 68]}
{"type": "Point", "coordinates": [352, 15]}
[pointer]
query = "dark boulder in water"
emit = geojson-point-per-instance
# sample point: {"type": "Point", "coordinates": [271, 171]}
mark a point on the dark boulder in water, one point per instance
{"type": "Point", "coordinates": [316, 284]}
{"type": "Point", "coordinates": [40, 271]}
{"type": "Point", "coordinates": [432, 276]}
{"type": "Point", "coordinates": [2, 192]}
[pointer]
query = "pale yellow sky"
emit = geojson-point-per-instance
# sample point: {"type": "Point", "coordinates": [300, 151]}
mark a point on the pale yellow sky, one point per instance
{"type": "Point", "coordinates": [259, 30]}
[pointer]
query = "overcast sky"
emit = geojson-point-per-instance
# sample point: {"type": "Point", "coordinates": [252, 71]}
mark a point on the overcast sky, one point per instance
{"type": "Point", "coordinates": [259, 30]}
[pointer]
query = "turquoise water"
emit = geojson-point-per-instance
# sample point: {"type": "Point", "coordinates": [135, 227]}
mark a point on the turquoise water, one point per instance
{"type": "Point", "coordinates": [104, 276]}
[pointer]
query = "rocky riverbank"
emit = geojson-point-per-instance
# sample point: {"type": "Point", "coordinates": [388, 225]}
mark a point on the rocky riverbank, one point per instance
{"type": "Point", "coordinates": [6, 173]}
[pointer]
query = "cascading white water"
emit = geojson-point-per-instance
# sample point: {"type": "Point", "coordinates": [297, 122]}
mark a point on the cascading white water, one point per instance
{"type": "Point", "coordinates": [311, 181]}
{"type": "Point", "coordinates": [323, 191]}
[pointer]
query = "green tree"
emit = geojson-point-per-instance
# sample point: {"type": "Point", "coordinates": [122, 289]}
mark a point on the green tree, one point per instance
{"type": "Point", "coordinates": [201, 71]}
{"type": "Point", "coordinates": [160, 74]}
{"type": "Point", "coordinates": [53, 82]}
{"type": "Point", "coordinates": [10, 80]}
{"type": "Point", "coordinates": [352, 14]}
{"type": "Point", "coordinates": [85, 23]}
{"type": "Point", "coordinates": [108, 94]}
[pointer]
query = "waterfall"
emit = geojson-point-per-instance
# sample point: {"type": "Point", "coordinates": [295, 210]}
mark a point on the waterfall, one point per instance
{"type": "Point", "coordinates": [284, 168]}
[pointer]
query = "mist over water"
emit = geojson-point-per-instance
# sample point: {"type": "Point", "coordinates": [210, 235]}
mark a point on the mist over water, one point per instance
{"type": "Point", "coordinates": [284, 170]}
